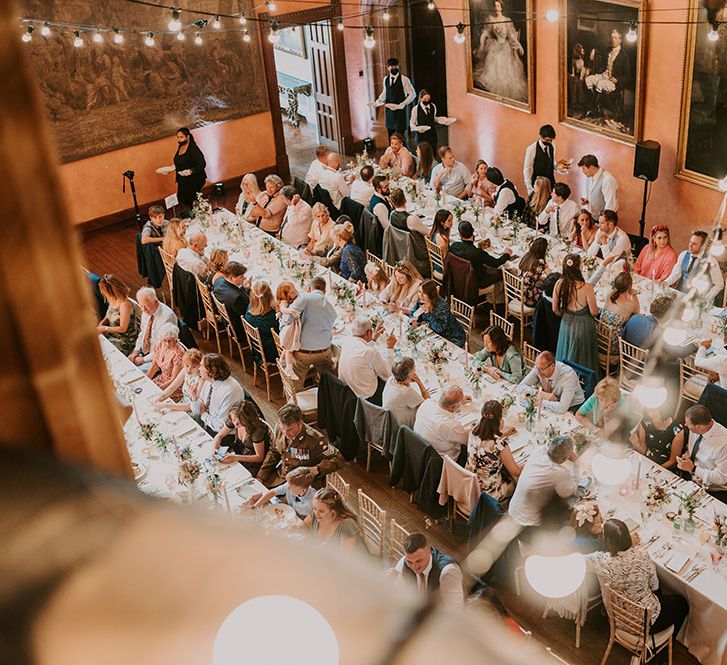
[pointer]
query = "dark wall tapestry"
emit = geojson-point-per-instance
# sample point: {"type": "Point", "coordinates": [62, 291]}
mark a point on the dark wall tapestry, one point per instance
{"type": "Point", "coordinates": [105, 96]}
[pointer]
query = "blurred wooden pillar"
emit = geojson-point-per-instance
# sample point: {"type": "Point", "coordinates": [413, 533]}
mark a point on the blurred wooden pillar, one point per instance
{"type": "Point", "coordinates": [54, 390]}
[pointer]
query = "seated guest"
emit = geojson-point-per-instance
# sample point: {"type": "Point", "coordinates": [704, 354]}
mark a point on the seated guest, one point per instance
{"type": "Point", "coordinates": [504, 194]}
{"type": "Point", "coordinates": [296, 444]}
{"type": "Point", "coordinates": [361, 189]}
{"type": "Point", "coordinates": [659, 437]}
{"type": "Point", "coordinates": [376, 278]}
{"type": "Point", "coordinates": [297, 489]}
{"type": "Point", "coordinates": [120, 324]}
{"type": "Point", "coordinates": [216, 266]}
{"type": "Point", "coordinates": [559, 216]}
{"type": "Point", "coordinates": [402, 293]}
{"type": "Point", "coordinates": [441, 228]}
{"type": "Point", "coordinates": [155, 228]}
{"type": "Point", "coordinates": [332, 258]}
{"type": "Point", "coordinates": [657, 259]}
{"type": "Point", "coordinates": [584, 230]}
{"type": "Point", "coordinates": [434, 310]}
{"type": "Point", "coordinates": [154, 315]}
{"type": "Point", "coordinates": [317, 166]}
{"type": "Point", "coordinates": [536, 204]}
{"type": "Point", "coordinates": [628, 569]}
{"type": "Point", "coordinates": [489, 456]}
{"type": "Point", "coordinates": [713, 360]}
{"type": "Point", "coordinates": [436, 422]}
{"type": "Point", "coordinates": [642, 330]}
{"type": "Point", "coordinates": [533, 270]}
{"type": "Point", "coordinates": [500, 357]}
{"type": "Point", "coordinates": [400, 217]}
{"type": "Point", "coordinates": [232, 292]}
{"type": "Point", "coordinates": [250, 190]}
{"type": "Point", "coordinates": [587, 521]}
{"type": "Point", "coordinates": [262, 314]}
{"type": "Point", "coordinates": [174, 238]}
{"type": "Point", "coordinates": [425, 162]}
{"type": "Point", "coordinates": [400, 397]}
{"type": "Point", "coordinates": [621, 304]}
{"type": "Point", "coordinates": [432, 571]}
{"type": "Point", "coordinates": [548, 471]}
{"type": "Point", "coordinates": [361, 364]}
{"type": "Point", "coordinates": [332, 523]}
{"type": "Point", "coordinates": [321, 232]}
{"type": "Point", "coordinates": [380, 206]}
{"type": "Point", "coordinates": [220, 393]}
{"type": "Point", "coordinates": [398, 157]}
{"type": "Point", "coordinates": [485, 265]}
{"type": "Point", "coordinates": [166, 361]}
{"type": "Point", "coordinates": [191, 258]}
{"type": "Point", "coordinates": [546, 323]}
{"type": "Point", "coordinates": [600, 408]}
{"type": "Point", "coordinates": [705, 451]}
{"type": "Point", "coordinates": [353, 261]}
{"type": "Point", "coordinates": [270, 206]}
{"type": "Point", "coordinates": [189, 380]}
{"type": "Point", "coordinates": [449, 175]}
{"type": "Point", "coordinates": [333, 181]}
{"type": "Point", "coordinates": [559, 383]}
{"type": "Point", "coordinates": [690, 264]}
{"type": "Point", "coordinates": [612, 243]}
{"type": "Point", "coordinates": [478, 187]}
{"type": "Point", "coordinates": [246, 436]}
{"type": "Point", "coordinates": [297, 220]}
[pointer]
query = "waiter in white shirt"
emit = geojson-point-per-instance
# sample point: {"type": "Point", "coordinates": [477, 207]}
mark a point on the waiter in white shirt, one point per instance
{"type": "Point", "coordinates": [317, 166]}
{"type": "Point", "coordinates": [691, 264]}
{"type": "Point", "coordinates": [397, 94]}
{"type": "Point", "coordinates": [705, 454]}
{"type": "Point", "coordinates": [559, 216]}
{"type": "Point", "coordinates": [612, 242]}
{"type": "Point", "coordinates": [601, 186]}
{"type": "Point", "coordinates": [540, 158]}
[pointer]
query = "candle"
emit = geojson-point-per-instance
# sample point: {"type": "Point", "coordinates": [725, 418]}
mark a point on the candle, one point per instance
{"type": "Point", "coordinates": [227, 498]}
{"type": "Point", "coordinates": [176, 447]}
{"type": "Point", "coordinates": [400, 326]}
{"type": "Point", "coordinates": [330, 281]}
{"type": "Point", "coordinates": [540, 401]}
{"type": "Point", "coordinates": [638, 474]}
{"type": "Point", "coordinates": [466, 353]}
{"type": "Point", "coordinates": [363, 295]}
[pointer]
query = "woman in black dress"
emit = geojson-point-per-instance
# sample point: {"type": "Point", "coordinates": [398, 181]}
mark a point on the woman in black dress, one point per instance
{"type": "Point", "coordinates": [246, 435]}
{"type": "Point", "coordinates": [658, 437]}
{"type": "Point", "coordinates": [189, 165]}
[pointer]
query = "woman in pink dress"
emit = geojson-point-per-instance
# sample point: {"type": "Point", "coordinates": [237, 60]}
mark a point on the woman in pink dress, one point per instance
{"type": "Point", "coordinates": [658, 257]}
{"type": "Point", "coordinates": [167, 361]}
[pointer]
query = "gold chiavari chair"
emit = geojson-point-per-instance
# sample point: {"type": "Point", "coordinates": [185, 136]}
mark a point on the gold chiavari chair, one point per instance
{"type": "Point", "coordinates": [211, 318]}
{"type": "Point", "coordinates": [336, 481]}
{"type": "Point", "coordinates": [231, 334]}
{"type": "Point", "coordinates": [508, 327]}
{"type": "Point", "coordinates": [371, 521]}
{"type": "Point", "coordinates": [463, 312]}
{"type": "Point", "coordinates": [436, 261]}
{"type": "Point", "coordinates": [397, 535]}
{"type": "Point", "coordinates": [515, 301]}
{"type": "Point", "coordinates": [256, 343]}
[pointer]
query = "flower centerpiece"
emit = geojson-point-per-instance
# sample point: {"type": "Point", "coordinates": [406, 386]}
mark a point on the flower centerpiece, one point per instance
{"type": "Point", "coordinates": [475, 373]}
{"type": "Point", "coordinates": [411, 190]}
{"type": "Point", "coordinates": [438, 356]}
{"type": "Point", "coordinates": [590, 263]}
{"type": "Point", "coordinates": [202, 211]}
{"type": "Point", "coordinates": [507, 401]}
{"type": "Point", "coordinates": [657, 496]}
{"type": "Point", "coordinates": [302, 270]}
{"type": "Point", "coordinates": [189, 468]}
{"type": "Point", "coordinates": [214, 485]}
{"type": "Point", "coordinates": [267, 244]}
{"type": "Point", "coordinates": [376, 320]}
{"type": "Point", "coordinates": [530, 409]}
{"type": "Point", "coordinates": [148, 431]}
{"type": "Point", "coordinates": [582, 438]}
{"type": "Point", "coordinates": [345, 295]}
{"type": "Point", "coordinates": [414, 335]}
{"type": "Point", "coordinates": [476, 209]}
{"type": "Point", "coordinates": [689, 503]}
{"type": "Point", "coordinates": [458, 210]}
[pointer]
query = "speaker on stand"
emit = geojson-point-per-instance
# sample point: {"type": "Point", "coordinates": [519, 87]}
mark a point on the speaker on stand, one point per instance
{"type": "Point", "coordinates": [646, 167]}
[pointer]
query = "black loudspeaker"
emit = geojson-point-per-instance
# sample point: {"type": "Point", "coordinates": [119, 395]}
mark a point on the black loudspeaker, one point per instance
{"type": "Point", "coordinates": [646, 160]}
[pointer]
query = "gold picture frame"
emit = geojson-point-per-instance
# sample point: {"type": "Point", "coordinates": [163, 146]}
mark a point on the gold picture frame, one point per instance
{"type": "Point", "coordinates": [702, 130]}
{"type": "Point", "coordinates": [478, 13]}
{"type": "Point", "coordinates": [585, 30]}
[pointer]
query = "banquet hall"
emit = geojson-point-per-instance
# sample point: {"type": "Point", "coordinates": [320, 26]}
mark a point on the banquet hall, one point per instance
{"type": "Point", "coordinates": [422, 300]}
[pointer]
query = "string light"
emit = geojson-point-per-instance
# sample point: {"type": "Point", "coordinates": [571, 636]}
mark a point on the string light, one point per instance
{"type": "Point", "coordinates": [149, 41]}
{"type": "Point", "coordinates": [181, 37]}
{"type": "Point", "coordinates": [45, 30]}
{"type": "Point", "coordinates": [386, 16]}
{"type": "Point", "coordinates": [717, 248]}
{"type": "Point", "coordinates": [243, 20]}
{"type": "Point", "coordinates": [650, 392]}
{"type": "Point", "coordinates": [431, 5]}
{"type": "Point", "coordinates": [216, 23]}
{"type": "Point", "coordinates": [274, 37]}
{"type": "Point", "coordinates": [77, 42]}
{"type": "Point", "coordinates": [631, 35]}
{"type": "Point", "coordinates": [552, 15]}
{"type": "Point", "coordinates": [198, 39]}
{"type": "Point", "coordinates": [713, 35]}
{"type": "Point", "coordinates": [97, 37]}
{"type": "Point", "coordinates": [459, 37]}
{"type": "Point", "coordinates": [369, 41]}
{"type": "Point", "coordinates": [175, 25]}
{"type": "Point", "coordinates": [118, 37]}
{"type": "Point", "coordinates": [271, 6]}
{"type": "Point", "coordinates": [339, 24]}
{"type": "Point", "coordinates": [245, 35]}
{"type": "Point", "coordinates": [28, 34]}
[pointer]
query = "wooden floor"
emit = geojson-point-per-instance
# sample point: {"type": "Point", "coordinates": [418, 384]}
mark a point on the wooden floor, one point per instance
{"type": "Point", "coordinates": [112, 250]}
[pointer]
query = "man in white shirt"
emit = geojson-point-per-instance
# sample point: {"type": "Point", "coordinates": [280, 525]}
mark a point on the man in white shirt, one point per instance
{"type": "Point", "coordinates": [361, 189]}
{"type": "Point", "coordinates": [436, 423]}
{"type": "Point", "coordinates": [396, 95]}
{"type": "Point", "coordinates": [297, 219]}
{"type": "Point", "coordinates": [705, 455]}
{"type": "Point", "coordinates": [361, 364]}
{"type": "Point", "coordinates": [504, 193]}
{"type": "Point", "coordinates": [559, 216]}
{"type": "Point", "coordinates": [601, 187]}
{"type": "Point", "coordinates": [219, 395]}
{"type": "Point", "coordinates": [546, 473]}
{"type": "Point", "coordinates": [540, 158]}
{"type": "Point", "coordinates": [333, 181]}
{"type": "Point", "coordinates": [450, 175]}
{"type": "Point", "coordinates": [713, 360]}
{"type": "Point", "coordinates": [154, 316]}
{"type": "Point", "coordinates": [317, 166]}
{"type": "Point", "coordinates": [191, 258]}
{"type": "Point", "coordinates": [690, 270]}
{"type": "Point", "coordinates": [400, 217]}
{"type": "Point", "coordinates": [400, 397]}
{"type": "Point", "coordinates": [612, 242]}
{"type": "Point", "coordinates": [433, 571]}
{"type": "Point", "coordinates": [559, 383]}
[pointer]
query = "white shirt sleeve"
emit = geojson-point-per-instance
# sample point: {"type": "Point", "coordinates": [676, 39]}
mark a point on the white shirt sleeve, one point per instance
{"type": "Point", "coordinates": [450, 585]}
{"type": "Point", "coordinates": [342, 185]}
{"type": "Point", "coordinates": [381, 367]}
{"type": "Point", "coordinates": [381, 213]}
{"type": "Point", "coordinates": [717, 475]}
{"type": "Point", "coordinates": [531, 378]}
{"type": "Point", "coordinates": [717, 362]}
{"type": "Point", "coordinates": [414, 118]}
{"type": "Point", "coordinates": [609, 188]}
{"type": "Point", "coordinates": [676, 271]}
{"type": "Point", "coordinates": [414, 223]}
{"type": "Point", "coordinates": [528, 166]}
{"type": "Point", "coordinates": [594, 246]}
{"type": "Point", "coordinates": [382, 97]}
{"type": "Point", "coordinates": [408, 91]}
{"type": "Point", "coordinates": [505, 198]}
{"type": "Point", "coordinates": [717, 279]}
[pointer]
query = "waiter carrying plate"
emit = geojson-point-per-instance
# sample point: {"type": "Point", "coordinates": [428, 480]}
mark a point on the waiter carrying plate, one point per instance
{"type": "Point", "coordinates": [397, 94]}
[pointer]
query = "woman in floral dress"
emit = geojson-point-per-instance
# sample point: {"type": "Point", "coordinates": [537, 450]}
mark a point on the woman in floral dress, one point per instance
{"type": "Point", "coordinates": [533, 270]}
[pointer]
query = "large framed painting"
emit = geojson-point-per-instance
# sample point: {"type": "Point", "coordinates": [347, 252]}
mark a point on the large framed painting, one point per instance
{"type": "Point", "coordinates": [602, 67]}
{"type": "Point", "coordinates": [702, 151]}
{"type": "Point", "coordinates": [292, 40]}
{"type": "Point", "coordinates": [501, 51]}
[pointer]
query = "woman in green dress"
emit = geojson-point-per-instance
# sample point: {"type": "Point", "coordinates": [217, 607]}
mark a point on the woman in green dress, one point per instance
{"type": "Point", "coordinates": [121, 323]}
{"type": "Point", "coordinates": [332, 523]}
{"type": "Point", "coordinates": [500, 357]}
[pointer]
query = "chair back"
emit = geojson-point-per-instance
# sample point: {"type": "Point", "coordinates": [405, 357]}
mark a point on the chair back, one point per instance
{"type": "Point", "coordinates": [632, 364]}
{"type": "Point", "coordinates": [299, 185]}
{"type": "Point", "coordinates": [436, 261]}
{"type": "Point", "coordinates": [460, 476]}
{"type": "Point", "coordinates": [210, 314]}
{"type": "Point", "coordinates": [586, 377]}
{"type": "Point", "coordinates": [256, 342]}
{"type": "Point", "coordinates": [371, 521]}
{"type": "Point", "coordinates": [463, 312]}
{"type": "Point", "coordinates": [715, 399]}
{"type": "Point", "coordinates": [372, 258]}
{"type": "Point", "coordinates": [168, 261]}
{"type": "Point", "coordinates": [397, 535]}
{"type": "Point", "coordinates": [530, 353]}
{"type": "Point", "coordinates": [605, 336]}
{"type": "Point", "coordinates": [288, 390]}
{"type": "Point", "coordinates": [514, 290]}
{"type": "Point", "coordinates": [627, 617]}
{"type": "Point", "coordinates": [278, 345]}
{"type": "Point", "coordinates": [459, 279]}
{"type": "Point", "coordinates": [692, 380]}
{"type": "Point", "coordinates": [389, 270]}
{"type": "Point", "coordinates": [336, 481]}
{"type": "Point", "coordinates": [321, 195]}
{"type": "Point", "coordinates": [373, 233]}
{"type": "Point", "coordinates": [508, 327]}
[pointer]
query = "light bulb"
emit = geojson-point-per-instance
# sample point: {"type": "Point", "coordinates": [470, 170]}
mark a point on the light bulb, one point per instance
{"type": "Point", "coordinates": [386, 16]}
{"type": "Point", "coordinates": [459, 35]}
{"type": "Point", "coordinates": [713, 35]}
{"type": "Point", "coordinates": [149, 40]}
{"type": "Point", "coordinates": [610, 470]}
{"type": "Point", "coordinates": [674, 335]}
{"type": "Point", "coordinates": [181, 37]}
{"type": "Point", "coordinates": [339, 25]}
{"type": "Point", "coordinates": [631, 35]}
{"type": "Point", "coordinates": [118, 37]}
{"type": "Point", "coordinates": [245, 35]}
{"type": "Point", "coordinates": [97, 37]}
{"type": "Point", "coordinates": [651, 393]}
{"type": "Point", "coordinates": [243, 20]}
{"type": "Point", "coordinates": [197, 39]}
{"type": "Point", "coordinates": [717, 248]}
{"type": "Point", "coordinates": [175, 25]}
{"type": "Point", "coordinates": [216, 23]}
{"type": "Point", "coordinates": [274, 37]}
{"type": "Point", "coordinates": [430, 4]}
{"type": "Point", "coordinates": [271, 6]}
{"type": "Point", "coordinates": [369, 41]}
{"type": "Point", "coordinates": [45, 30]}
{"type": "Point", "coordinates": [701, 283]}
{"type": "Point", "coordinates": [555, 576]}
{"type": "Point", "coordinates": [77, 41]}
{"type": "Point", "coordinates": [28, 34]}
{"type": "Point", "coordinates": [722, 184]}
{"type": "Point", "coordinates": [552, 15]}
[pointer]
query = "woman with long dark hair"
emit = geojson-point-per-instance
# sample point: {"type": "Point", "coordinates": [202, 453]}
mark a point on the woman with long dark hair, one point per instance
{"type": "Point", "coordinates": [575, 300]}
{"type": "Point", "coordinates": [621, 304]}
{"type": "Point", "coordinates": [441, 228]}
{"type": "Point", "coordinates": [189, 165]}
{"type": "Point", "coordinates": [425, 162]}
{"type": "Point", "coordinates": [500, 357]}
{"type": "Point", "coordinates": [585, 229]}
{"type": "Point", "coordinates": [533, 270]}
{"type": "Point", "coordinates": [246, 435]}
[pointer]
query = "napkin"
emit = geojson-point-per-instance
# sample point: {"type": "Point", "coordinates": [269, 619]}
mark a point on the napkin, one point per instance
{"type": "Point", "coordinates": [677, 562]}
{"type": "Point", "coordinates": [235, 475]}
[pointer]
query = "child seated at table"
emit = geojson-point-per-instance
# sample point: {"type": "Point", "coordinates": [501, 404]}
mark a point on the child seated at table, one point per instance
{"type": "Point", "coordinates": [189, 379]}
{"type": "Point", "coordinates": [290, 333]}
{"type": "Point", "coordinates": [297, 490]}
